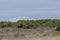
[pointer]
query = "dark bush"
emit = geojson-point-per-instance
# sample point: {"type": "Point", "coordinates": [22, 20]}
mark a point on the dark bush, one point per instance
{"type": "Point", "coordinates": [20, 26]}
{"type": "Point", "coordinates": [58, 29]}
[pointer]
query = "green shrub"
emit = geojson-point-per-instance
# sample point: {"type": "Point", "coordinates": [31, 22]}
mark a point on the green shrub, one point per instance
{"type": "Point", "coordinates": [31, 23]}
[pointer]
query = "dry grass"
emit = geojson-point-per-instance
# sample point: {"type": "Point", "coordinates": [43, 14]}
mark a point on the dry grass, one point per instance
{"type": "Point", "coordinates": [29, 34]}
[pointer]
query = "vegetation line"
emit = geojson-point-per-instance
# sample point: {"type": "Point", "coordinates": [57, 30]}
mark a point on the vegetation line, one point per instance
{"type": "Point", "coordinates": [31, 23]}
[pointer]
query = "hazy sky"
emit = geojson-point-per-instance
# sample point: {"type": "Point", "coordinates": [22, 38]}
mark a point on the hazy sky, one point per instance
{"type": "Point", "coordinates": [30, 8]}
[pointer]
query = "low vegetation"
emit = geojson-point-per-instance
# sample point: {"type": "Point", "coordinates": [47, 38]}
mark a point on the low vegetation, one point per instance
{"type": "Point", "coordinates": [32, 23]}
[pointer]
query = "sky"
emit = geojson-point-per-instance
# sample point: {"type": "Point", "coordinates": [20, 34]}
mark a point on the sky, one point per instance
{"type": "Point", "coordinates": [38, 9]}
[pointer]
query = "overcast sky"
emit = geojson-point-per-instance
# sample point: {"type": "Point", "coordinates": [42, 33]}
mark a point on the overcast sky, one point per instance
{"type": "Point", "coordinates": [30, 8]}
